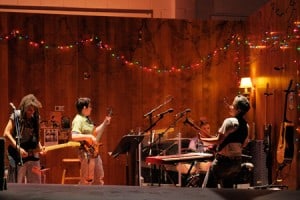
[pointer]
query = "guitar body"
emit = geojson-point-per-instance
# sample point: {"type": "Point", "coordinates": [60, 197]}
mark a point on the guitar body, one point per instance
{"type": "Point", "coordinates": [14, 153]}
{"type": "Point", "coordinates": [91, 150]}
{"type": "Point", "coordinates": [285, 147]}
{"type": "Point", "coordinates": [289, 142]}
{"type": "Point", "coordinates": [281, 144]}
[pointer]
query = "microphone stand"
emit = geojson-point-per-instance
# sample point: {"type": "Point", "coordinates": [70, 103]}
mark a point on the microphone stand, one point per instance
{"type": "Point", "coordinates": [18, 144]}
{"type": "Point", "coordinates": [158, 141]}
{"type": "Point", "coordinates": [173, 124]}
{"type": "Point", "coordinates": [150, 116]}
{"type": "Point", "coordinates": [152, 124]}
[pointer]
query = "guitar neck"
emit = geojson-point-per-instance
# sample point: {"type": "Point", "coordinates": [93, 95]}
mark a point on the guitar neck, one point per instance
{"type": "Point", "coordinates": [59, 146]}
{"type": "Point", "coordinates": [102, 127]}
{"type": "Point", "coordinates": [286, 99]}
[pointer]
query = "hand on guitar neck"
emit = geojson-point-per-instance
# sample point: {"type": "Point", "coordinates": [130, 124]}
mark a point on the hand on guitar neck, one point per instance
{"type": "Point", "coordinates": [41, 150]}
{"type": "Point", "coordinates": [100, 129]}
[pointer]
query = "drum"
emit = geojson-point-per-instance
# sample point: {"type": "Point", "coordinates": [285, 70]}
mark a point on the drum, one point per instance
{"type": "Point", "coordinates": [184, 168]}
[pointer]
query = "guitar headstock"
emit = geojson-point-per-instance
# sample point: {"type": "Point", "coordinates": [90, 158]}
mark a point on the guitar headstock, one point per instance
{"type": "Point", "coordinates": [109, 112]}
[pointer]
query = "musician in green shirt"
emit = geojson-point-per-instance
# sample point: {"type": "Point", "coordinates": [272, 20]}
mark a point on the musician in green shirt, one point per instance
{"type": "Point", "coordinates": [89, 135]}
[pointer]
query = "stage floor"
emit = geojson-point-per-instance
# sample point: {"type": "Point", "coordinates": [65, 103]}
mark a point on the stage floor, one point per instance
{"type": "Point", "coordinates": [113, 192]}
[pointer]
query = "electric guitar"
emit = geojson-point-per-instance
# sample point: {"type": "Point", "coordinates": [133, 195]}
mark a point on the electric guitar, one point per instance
{"type": "Point", "coordinates": [285, 148]}
{"type": "Point", "coordinates": [93, 150]}
{"type": "Point", "coordinates": [33, 154]}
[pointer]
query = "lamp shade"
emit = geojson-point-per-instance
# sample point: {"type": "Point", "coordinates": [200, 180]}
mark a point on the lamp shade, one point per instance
{"type": "Point", "coordinates": [246, 82]}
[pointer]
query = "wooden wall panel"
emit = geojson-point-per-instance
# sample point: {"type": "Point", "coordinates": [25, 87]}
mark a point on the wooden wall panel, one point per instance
{"type": "Point", "coordinates": [59, 77]}
{"type": "Point", "coordinates": [276, 67]}
{"type": "Point", "coordinates": [4, 75]}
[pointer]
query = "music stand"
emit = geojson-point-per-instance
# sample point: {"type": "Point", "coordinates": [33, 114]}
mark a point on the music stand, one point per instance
{"type": "Point", "coordinates": [128, 145]}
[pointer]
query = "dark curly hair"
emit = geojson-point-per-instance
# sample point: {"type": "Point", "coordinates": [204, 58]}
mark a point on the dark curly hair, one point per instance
{"type": "Point", "coordinates": [27, 101]}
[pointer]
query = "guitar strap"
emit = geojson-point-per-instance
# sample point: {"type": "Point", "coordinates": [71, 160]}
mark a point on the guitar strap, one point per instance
{"type": "Point", "coordinates": [28, 133]}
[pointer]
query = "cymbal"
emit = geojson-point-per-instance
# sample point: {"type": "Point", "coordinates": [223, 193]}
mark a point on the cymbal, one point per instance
{"type": "Point", "coordinates": [177, 138]}
{"type": "Point", "coordinates": [159, 131]}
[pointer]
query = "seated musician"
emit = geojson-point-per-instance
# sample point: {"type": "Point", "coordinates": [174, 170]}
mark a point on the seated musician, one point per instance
{"type": "Point", "coordinates": [231, 140]}
{"type": "Point", "coordinates": [197, 145]}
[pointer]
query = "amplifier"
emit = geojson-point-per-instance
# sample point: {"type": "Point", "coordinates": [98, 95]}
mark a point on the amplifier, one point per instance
{"type": "Point", "coordinates": [3, 185]}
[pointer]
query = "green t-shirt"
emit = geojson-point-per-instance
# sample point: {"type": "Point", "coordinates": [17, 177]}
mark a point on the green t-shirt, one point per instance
{"type": "Point", "coordinates": [81, 124]}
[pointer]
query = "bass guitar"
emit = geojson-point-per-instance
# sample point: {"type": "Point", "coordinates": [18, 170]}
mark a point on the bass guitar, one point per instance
{"type": "Point", "coordinates": [267, 137]}
{"type": "Point", "coordinates": [92, 150]}
{"type": "Point", "coordinates": [33, 155]}
{"type": "Point", "coordinates": [285, 147]}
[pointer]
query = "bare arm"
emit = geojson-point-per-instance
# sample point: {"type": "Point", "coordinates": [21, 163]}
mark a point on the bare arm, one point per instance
{"type": "Point", "coordinates": [211, 139]}
{"type": "Point", "coordinates": [11, 140]}
{"type": "Point", "coordinates": [100, 129]}
{"type": "Point", "coordinates": [78, 137]}
{"type": "Point", "coordinates": [7, 133]}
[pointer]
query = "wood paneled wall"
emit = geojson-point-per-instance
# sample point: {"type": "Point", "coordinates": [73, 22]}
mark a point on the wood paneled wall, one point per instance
{"type": "Point", "coordinates": [59, 77]}
{"type": "Point", "coordinates": [275, 67]}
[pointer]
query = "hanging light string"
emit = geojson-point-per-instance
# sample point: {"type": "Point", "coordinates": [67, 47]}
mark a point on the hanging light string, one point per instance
{"type": "Point", "coordinates": [270, 40]}
{"type": "Point", "coordinates": [95, 40]}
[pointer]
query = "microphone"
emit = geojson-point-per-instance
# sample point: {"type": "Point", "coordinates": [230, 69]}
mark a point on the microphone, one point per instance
{"type": "Point", "coordinates": [278, 68]}
{"type": "Point", "coordinates": [187, 121]}
{"type": "Point", "coordinates": [183, 112]}
{"type": "Point", "coordinates": [165, 112]}
{"type": "Point", "coordinates": [170, 98]}
{"type": "Point", "coordinates": [12, 105]}
{"type": "Point", "coordinates": [191, 123]}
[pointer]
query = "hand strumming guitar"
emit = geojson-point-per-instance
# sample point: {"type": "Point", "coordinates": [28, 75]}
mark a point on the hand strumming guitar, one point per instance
{"type": "Point", "coordinates": [90, 139]}
{"type": "Point", "coordinates": [23, 153]}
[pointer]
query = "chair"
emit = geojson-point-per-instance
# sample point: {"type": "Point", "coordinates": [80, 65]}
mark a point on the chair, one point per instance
{"type": "Point", "coordinates": [68, 164]}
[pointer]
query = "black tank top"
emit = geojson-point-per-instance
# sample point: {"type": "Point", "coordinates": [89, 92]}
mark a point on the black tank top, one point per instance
{"type": "Point", "coordinates": [238, 136]}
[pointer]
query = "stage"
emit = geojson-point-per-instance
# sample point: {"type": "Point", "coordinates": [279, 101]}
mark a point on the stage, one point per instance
{"type": "Point", "coordinates": [113, 192]}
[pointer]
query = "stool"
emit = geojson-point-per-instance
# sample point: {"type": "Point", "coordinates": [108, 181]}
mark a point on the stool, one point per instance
{"type": "Point", "coordinates": [44, 174]}
{"type": "Point", "coordinates": [66, 163]}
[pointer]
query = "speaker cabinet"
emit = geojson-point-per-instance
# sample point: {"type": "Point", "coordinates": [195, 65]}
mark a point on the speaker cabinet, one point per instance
{"type": "Point", "coordinates": [259, 159]}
